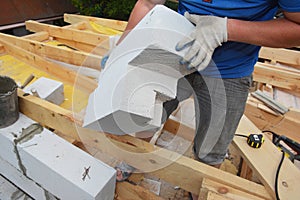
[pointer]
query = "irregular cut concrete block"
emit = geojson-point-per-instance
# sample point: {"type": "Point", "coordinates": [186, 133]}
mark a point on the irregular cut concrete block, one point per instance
{"type": "Point", "coordinates": [47, 89]}
{"type": "Point", "coordinates": [57, 166]}
{"type": "Point", "coordinates": [143, 68]}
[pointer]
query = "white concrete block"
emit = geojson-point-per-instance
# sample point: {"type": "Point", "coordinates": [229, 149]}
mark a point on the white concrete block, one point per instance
{"type": "Point", "coordinates": [8, 191]}
{"type": "Point", "coordinates": [54, 164]}
{"type": "Point", "coordinates": [47, 89]}
{"type": "Point", "coordinates": [141, 69]}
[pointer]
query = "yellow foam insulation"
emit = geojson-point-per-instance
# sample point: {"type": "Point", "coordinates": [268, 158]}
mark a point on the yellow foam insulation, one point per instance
{"type": "Point", "coordinates": [75, 100]}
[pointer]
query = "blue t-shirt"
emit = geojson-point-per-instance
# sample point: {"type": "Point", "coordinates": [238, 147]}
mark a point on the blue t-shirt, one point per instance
{"type": "Point", "coordinates": [235, 59]}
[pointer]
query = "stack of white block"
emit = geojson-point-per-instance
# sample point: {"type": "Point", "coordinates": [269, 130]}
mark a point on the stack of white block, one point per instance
{"type": "Point", "coordinates": [45, 166]}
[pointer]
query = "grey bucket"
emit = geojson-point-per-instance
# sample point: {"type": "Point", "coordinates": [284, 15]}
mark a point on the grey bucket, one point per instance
{"type": "Point", "coordinates": [9, 107]}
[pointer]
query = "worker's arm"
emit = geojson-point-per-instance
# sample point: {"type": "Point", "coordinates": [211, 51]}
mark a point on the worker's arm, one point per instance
{"type": "Point", "coordinates": [283, 32]}
{"type": "Point", "coordinates": [141, 8]}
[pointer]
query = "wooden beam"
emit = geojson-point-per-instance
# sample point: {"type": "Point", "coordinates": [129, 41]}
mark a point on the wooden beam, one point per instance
{"type": "Point", "coordinates": [98, 51]}
{"type": "Point", "coordinates": [39, 36]}
{"type": "Point", "coordinates": [142, 155]}
{"type": "Point", "coordinates": [228, 192]}
{"type": "Point", "coordinates": [45, 112]}
{"type": "Point", "coordinates": [266, 170]}
{"type": "Point", "coordinates": [280, 55]}
{"type": "Point", "coordinates": [206, 194]}
{"type": "Point", "coordinates": [115, 24]}
{"type": "Point", "coordinates": [70, 34]}
{"type": "Point", "coordinates": [54, 52]}
{"type": "Point", "coordinates": [287, 124]}
{"type": "Point", "coordinates": [127, 191]}
{"type": "Point", "coordinates": [264, 162]}
{"type": "Point", "coordinates": [78, 26]}
{"type": "Point", "coordinates": [277, 76]}
{"type": "Point", "coordinates": [66, 75]}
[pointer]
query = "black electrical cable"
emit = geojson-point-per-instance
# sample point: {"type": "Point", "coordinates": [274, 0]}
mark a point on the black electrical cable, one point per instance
{"type": "Point", "coordinates": [241, 135]}
{"type": "Point", "coordinates": [277, 174]}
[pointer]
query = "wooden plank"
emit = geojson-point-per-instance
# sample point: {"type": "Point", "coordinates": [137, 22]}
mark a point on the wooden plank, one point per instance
{"type": "Point", "coordinates": [54, 52]}
{"type": "Point", "coordinates": [45, 113]}
{"type": "Point", "coordinates": [206, 194]}
{"type": "Point", "coordinates": [280, 55]}
{"type": "Point", "coordinates": [39, 36]}
{"type": "Point", "coordinates": [182, 130]}
{"type": "Point", "coordinates": [246, 171]}
{"type": "Point", "coordinates": [146, 157]}
{"type": "Point", "coordinates": [70, 34]}
{"type": "Point", "coordinates": [127, 191]}
{"type": "Point", "coordinates": [78, 26]}
{"type": "Point", "coordinates": [115, 24]}
{"type": "Point", "coordinates": [264, 162]}
{"type": "Point", "coordinates": [225, 191]}
{"type": "Point", "coordinates": [256, 159]}
{"type": "Point", "coordinates": [82, 82]}
{"type": "Point", "coordinates": [99, 50]}
{"type": "Point", "coordinates": [277, 76]}
{"type": "Point", "coordinates": [287, 124]}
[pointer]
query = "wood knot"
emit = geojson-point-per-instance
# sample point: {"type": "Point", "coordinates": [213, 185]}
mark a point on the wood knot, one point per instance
{"type": "Point", "coordinates": [223, 190]}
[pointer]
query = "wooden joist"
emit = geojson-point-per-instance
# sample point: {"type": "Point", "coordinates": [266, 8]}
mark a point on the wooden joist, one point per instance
{"type": "Point", "coordinates": [81, 82]}
{"type": "Point", "coordinates": [39, 36]}
{"type": "Point", "coordinates": [125, 190]}
{"type": "Point", "coordinates": [277, 76]}
{"type": "Point", "coordinates": [280, 55]}
{"type": "Point", "coordinates": [264, 161]}
{"type": "Point", "coordinates": [142, 155]}
{"type": "Point", "coordinates": [54, 52]}
{"type": "Point", "coordinates": [287, 124]}
{"type": "Point", "coordinates": [115, 24]}
{"type": "Point", "coordinates": [70, 34]}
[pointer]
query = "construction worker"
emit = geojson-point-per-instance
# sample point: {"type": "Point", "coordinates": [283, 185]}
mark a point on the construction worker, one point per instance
{"type": "Point", "coordinates": [224, 48]}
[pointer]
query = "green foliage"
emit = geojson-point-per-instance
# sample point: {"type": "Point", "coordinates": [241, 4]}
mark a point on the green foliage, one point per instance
{"type": "Point", "coordinates": [115, 9]}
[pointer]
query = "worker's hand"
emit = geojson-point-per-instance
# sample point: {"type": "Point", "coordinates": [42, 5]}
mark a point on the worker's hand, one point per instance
{"type": "Point", "coordinates": [210, 32]}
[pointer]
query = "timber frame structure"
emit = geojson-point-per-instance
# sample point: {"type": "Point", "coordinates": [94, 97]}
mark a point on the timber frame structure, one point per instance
{"type": "Point", "coordinates": [83, 46]}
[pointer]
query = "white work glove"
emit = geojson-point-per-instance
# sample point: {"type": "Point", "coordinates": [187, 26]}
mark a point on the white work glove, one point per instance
{"type": "Point", "coordinates": [210, 32]}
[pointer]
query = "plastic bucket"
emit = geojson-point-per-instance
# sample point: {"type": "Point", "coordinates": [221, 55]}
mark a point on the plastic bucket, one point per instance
{"type": "Point", "coordinates": [9, 107]}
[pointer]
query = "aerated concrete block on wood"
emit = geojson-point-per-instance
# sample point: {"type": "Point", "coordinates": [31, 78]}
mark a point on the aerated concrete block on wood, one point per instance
{"type": "Point", "coordinates": [54, 164]}
{"type": "Point", "coordinates": [47, 89]}
{"type": "Point", "coordinates": [141, 73]}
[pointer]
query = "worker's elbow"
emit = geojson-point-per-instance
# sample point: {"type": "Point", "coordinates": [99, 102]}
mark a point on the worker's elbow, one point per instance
{"type": "Point", "coordinates": [152, 3]}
